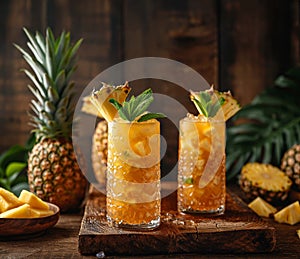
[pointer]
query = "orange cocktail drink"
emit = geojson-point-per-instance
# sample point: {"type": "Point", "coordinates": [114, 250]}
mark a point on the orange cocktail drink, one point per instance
{"type": "Point", "coordinates": [133, 174]}
{"type": "Point", "coordinates": [201, 176]}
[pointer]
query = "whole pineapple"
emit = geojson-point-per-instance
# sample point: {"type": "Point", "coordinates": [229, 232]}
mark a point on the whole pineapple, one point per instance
{"type": "Point", "coordinates": [53, 172]}
{"type": "Point", "coordinates": [290, 164]}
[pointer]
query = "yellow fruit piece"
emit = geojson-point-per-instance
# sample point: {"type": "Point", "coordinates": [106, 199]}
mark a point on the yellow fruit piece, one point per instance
{"type": "Point", "coordinates": [289, 215]}
{"type": "Point", "coordinates": [89, 108]}
{"type": "Point", "coordinates": [42, 213]}
{"type": "Point", "coordinates": [261, 207]}
{"type": "Point", "coordinates": [298, 232]}
{"type": "Point", "coordinates": [100, 100]}
{"type": "Point", "coordinates": [266, 176]}
{"type": "Point", "coordinates": [229, 107]}
{"type": "Point", "coordinates": [25, 211]}
{"type": "Point", "coordinates": [8, 200]}
{"type": "Point", "coordinates": [33, 200]}
{"type": "Point", "coordinates": [22, 211]}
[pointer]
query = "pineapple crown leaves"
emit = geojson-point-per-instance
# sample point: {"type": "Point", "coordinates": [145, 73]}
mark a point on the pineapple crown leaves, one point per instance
{"type": "Point", "coordinates": [53, 62]}
{"type": "Point", "coordinates": [136, 108]}
{"type": "Point", "coordinates": [206, 102]}
{"type": "Point", "coordinates": [270, 125]}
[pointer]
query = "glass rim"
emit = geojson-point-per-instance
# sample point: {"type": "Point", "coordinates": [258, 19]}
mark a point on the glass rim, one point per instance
{"type": "Point", "coordinates": [116, 121]}
{"type": "Point", "coordinates": [198, 120]}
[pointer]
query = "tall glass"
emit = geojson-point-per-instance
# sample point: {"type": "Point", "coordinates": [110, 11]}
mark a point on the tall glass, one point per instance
{"type": "Point", "coordinates": [201, 166]}
{"type": "Point", "coordinates": [133, 174]}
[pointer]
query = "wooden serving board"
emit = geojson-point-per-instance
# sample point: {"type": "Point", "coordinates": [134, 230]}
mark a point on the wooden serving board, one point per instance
{"type": "Point", "coordinates": [239, 230]}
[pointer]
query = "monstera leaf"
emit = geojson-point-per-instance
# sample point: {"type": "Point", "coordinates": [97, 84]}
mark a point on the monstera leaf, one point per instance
{"type": "Point", "coordinates": [267, 127]}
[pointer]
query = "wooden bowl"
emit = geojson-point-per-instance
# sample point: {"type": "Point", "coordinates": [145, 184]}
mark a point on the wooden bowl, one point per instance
{"type": "Point", "coordinates": [28, 226]}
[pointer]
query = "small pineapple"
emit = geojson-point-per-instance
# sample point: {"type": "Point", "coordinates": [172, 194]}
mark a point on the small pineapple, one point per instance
{"type": "Point", "coordinates": [53, 172]}
{"type": "Point", "coordinates": [99, 143]}
{"type": "Point", "coordinates": [266, 181]}
{"type": "Point", "coordinates": [261, 207]}
{"type": "Point", "coordinates": [290, 164]}
{"type": "Point", "coordinates": [289, 215]}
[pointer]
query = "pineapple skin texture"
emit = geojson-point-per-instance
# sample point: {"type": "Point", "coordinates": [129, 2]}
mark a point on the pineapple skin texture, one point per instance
{"type": "Point", "coordinates": [290, 164]}
{"type": "Point", "coordinates": [99, 151]}
{"type": "Point", "coordinates": [54, 174]}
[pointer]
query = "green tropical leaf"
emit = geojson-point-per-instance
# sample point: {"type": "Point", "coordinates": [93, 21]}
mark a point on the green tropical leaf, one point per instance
{"type": "Point", "coordinates": [268, 126]}
{"type": "Point", "coordinates": [38, 85]}
{"type": "Point", "coordinates": [13, 154]}
{"type": "Point", "coordinates": [15, 168]}
{"type": "Point", "coordinates": [34, 46]}
{"type": "Point", "coordinates": [135, 108]}
{"type": "Point", "coordinates": [18, 178]}
{"type": "Point", "coordinates": [40, 41]}
{"type": "Point", "coordinates": [4, 184]}
{"type": "Point", "coordinates": [19, 187]}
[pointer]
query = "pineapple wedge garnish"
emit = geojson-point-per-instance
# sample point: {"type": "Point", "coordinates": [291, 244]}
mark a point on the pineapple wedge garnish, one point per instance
{"type": "Point", "coordinates": [209, 102]}
{"type": "Point", "coordinates": [33, 200]}
{"type": "Point", "coordinates": [230, 105]}
{"type": "Point", "coordinates": [89, 108]}
{"type": "Point", "coordinates": [8, 200]}
{"type": "Point", "coordinates": [289, 215]}
{"type": "Point", "coordinates": [98, 102]}
{"type": "Point", "coordinates": [261, 207]}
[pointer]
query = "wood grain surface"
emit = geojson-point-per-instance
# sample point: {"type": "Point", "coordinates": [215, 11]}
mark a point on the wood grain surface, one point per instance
{"type": "Point", "coordinates": [61, 241]}
{"type": "Point", "coordinates": [237, 231]}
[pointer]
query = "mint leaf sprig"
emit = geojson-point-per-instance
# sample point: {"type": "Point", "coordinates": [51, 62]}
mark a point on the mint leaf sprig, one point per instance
{"type": "Point", "coordinates": [136, 108]}
{"type": "Point", "coordinates": [206, 102]}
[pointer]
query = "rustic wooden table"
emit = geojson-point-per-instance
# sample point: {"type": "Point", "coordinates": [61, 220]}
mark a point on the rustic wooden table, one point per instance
{"type": "Point", "coordinates": [61, 241]}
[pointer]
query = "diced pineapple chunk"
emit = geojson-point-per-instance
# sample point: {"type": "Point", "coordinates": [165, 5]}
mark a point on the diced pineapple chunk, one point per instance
{"type": "Point", "coordinates": [42, 213]}
{"type": "Point", "coordinates": [289, 215]}
{"type": "Point", "coordinates": [22, 211]}
{"type": "Point", "coordinates": [8, 200]}
{"type": "Point", "coordinates": [261, 207]}
{"type": "Point", "coordinates": [25, 211]}
{"type": "Point", "coordinates": [26, 206]}
{"type": "Point", "coordinates": [141, 148]}
{"type": "Point", "coordinates": [33, 200]}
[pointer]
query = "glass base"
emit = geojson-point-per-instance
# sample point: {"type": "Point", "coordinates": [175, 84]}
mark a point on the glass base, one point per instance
{"type": "Point", "coordinates": [216, 212]}
{"type": "Point", "coordinates": [142, 227]}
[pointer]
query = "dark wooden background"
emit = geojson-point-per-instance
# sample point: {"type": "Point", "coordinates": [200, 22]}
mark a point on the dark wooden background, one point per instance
{"type": "Point", "coordinates": [235, 44]}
